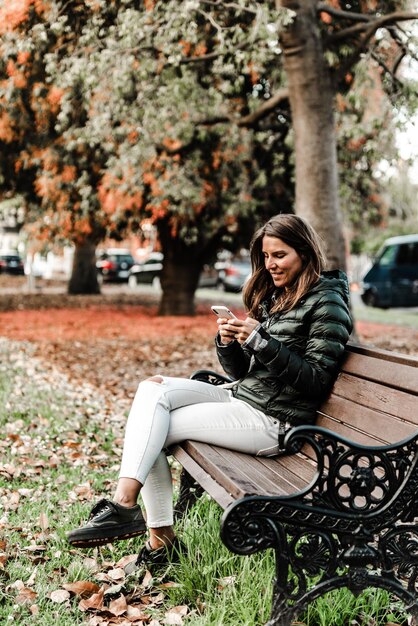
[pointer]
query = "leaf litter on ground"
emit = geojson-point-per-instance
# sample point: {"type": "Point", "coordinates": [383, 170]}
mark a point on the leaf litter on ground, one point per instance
{"type": "Point", "coordinates": [86, 365]}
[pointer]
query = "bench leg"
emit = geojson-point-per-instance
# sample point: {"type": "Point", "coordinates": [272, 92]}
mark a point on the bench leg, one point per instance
{"type": "Point", "coordinates": [280, 615]}
{"type": "Point", "coordinates": [189, 492]}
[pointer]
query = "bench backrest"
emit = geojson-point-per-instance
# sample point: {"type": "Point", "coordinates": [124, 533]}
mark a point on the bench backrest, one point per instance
{"type": "Point", "coordinates": [375, 397]}
{"type": "Point", "coordinates": [374, 401]}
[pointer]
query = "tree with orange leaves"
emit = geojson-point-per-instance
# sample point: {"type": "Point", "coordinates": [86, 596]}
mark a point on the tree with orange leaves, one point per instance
{"type": "Point", "coordinates": [190, 97]}
{"type": "Point", "coordinates": [59, 182]}
{"type": "Point", "coordinates": [197, 181]}
{"type": "Point", "coordinates": [83, 154]}
{"type": "Point", "coordinates": [180, 115]}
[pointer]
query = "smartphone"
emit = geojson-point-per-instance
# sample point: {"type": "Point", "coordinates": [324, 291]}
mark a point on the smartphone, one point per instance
{"type": "Point", "coordinates": [223, 311]}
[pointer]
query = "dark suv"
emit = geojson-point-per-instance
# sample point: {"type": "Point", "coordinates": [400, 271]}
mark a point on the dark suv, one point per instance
{"type": "Point", "coordinates": [11, 264]}
{"type": "Point", "coordinates": [114, 265]}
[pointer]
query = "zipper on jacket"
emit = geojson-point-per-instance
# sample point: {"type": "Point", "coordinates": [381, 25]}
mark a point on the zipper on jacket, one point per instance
{"type": "Point", "coordinates": [282, 433]}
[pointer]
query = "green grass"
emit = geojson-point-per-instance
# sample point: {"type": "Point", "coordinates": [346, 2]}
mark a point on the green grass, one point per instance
{"type": "Point", "coordinates": [400, 317]}
{"type": "Point", "coordinates": [57, 458]}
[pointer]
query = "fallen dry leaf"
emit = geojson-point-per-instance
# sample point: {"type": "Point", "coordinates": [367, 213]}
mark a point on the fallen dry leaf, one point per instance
{"type": "Point", "coordinates": [116, 574]}
{"type": "Point", "coordinates": [175, 615]}
{"type": "Point", "coordinates": [95, 601]}
{"type": "Point", "coordinates": [26, 596]}
{"type": "Point", "coordinates": [125, 560]}
{"type": "Point", "coordinates": [98, 620]}
{"type": "Point", "coordinates": [118, 606]}
{"type": "Point", "coordinates": [59, 596]}
{"type": "Point", "coordinates": [31, 580]}
{"type": "Point", "coordinates": [18, 584]}
{"type": "Point", "coordinates": [135, 613]}
{"type": "Point", "coordinates": [43, 521]}
{"type": "Point", "coordinates": [173, 619]}
{"type": "Point", "coordinates": [35, 548]}
{"type": "Point", "coordinates": [147, 580]}
{"type": "Point", "coordinates": [169, 585]}
{"type": "Point", "coordinates": [181, 609]}
{"type": "Point", "coordinates": [225, 582]}
{"type": "Point", "coordinates": [83, 588]}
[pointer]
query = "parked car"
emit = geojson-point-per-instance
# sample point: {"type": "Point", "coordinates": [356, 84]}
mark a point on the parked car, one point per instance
{"type": "Point", "coordinates": [392, 280]}
{"type": "Point", "coordinates": [148, 272]}
{"type": "Point", "coordinates": [114, 264]}
{"type": "Point", "coordinates": [234, 274]}
{"type": "Point", "coordinates": [11, 263]}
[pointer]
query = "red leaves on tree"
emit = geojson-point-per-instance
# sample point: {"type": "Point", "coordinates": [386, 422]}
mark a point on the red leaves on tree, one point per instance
{"type": "Point", "coordinates": [14, 12]}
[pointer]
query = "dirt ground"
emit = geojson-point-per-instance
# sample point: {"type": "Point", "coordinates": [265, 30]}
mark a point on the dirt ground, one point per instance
{"type": "Point", "coordinates": [113, 341]}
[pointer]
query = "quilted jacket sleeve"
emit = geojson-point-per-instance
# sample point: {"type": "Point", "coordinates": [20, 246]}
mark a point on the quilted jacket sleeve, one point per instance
{"type": "Point", "coordinates": [312, 372]}
{"type": "Point", "coordinates": [234, 359]}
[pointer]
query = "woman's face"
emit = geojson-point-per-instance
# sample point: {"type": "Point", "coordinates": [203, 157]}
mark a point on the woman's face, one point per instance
{"type": "Point", "coordinates": [282, 261]}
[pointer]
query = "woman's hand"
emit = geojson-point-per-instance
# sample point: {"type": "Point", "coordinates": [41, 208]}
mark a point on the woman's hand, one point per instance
{"type": "Point", "coordinates": [230, 329]}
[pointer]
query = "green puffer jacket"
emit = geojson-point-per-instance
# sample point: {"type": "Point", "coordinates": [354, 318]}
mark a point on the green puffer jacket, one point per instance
{"type": "Point", "coordinates": [293, 372]}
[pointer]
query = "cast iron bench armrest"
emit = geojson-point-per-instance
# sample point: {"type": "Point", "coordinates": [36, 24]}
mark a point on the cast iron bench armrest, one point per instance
{"type": "Point", "coordinates": [210, 376]}
{"type": "Point", "coordinates": [357, 481]}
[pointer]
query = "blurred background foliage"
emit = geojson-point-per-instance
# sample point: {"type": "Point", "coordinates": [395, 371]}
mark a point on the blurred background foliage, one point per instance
{"type": "Point", "coordinates": [116, 113]}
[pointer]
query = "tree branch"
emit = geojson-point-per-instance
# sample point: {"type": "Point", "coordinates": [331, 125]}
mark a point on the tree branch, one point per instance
{"type": "Point", "coordinates": [371, 26]}
{"type": "Point", "coordinates": [383, 65]}
{"type": "Point", "coordinates": [393, 32]}
{"type": "Point", "coordinates": [263, 110]}
{"type": "Point", "coordinates": [344, 15]}
{"type": "Point", "coordinates": [202, 57]}
{"type": "Point", "coordinates": [397, 61]}
{"type": "Point", "coordinates": [247, 121]}
{"type": "Point", "coordinates": [369, 30]}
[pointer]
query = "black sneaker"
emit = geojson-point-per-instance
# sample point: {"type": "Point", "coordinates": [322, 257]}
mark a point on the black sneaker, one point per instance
{"type": "Point", "coordinates": [108, 522]}
{"type": "Point", "coordinates": [149, 558]}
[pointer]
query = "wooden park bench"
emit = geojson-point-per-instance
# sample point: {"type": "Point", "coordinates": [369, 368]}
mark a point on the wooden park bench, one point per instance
{"type": "Point", "coordinates": [339, 513]}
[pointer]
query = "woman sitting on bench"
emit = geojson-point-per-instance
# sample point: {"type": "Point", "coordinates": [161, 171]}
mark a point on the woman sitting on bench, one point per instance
{"type": "Point", "coordinates": [284, 358]}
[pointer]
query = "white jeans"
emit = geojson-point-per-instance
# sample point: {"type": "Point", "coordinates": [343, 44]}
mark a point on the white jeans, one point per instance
{"type": "Point", "coordinates": [176, 409]}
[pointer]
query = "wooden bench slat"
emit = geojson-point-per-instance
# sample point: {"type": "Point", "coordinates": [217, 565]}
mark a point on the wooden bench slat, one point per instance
{"type": "Point", "coordinates": [248, 466]}
{"type": "Point", "coordinates": [299, 466]}
{"type": "Point", "coordinates": [239, 467]}
{"type": "Point", "coordinates": [270, 476]}
{"type": "Point", "coordinates": [213, 488]}
{"type": "Point", "coordinates": [388, 373]}
{"type": "Point", "coordinates": [380, 355]}
{"type": "Point", "coordinates": [377, 397]}
{"type": "Point", "coordinates": [380, 426]}
{"type": "Point", "coordinates": [265, 475]}
{"type": "Point", "coordinates": [227, 475]}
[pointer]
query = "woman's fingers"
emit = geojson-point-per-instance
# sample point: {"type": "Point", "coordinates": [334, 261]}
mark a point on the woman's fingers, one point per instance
{"type": "Point", "coordinates": [230, 329]}
{"type": "Point", "coordinates": [227, 335]}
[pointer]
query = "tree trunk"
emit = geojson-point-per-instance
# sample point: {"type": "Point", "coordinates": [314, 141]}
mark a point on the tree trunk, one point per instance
{"type": "Point", "coordinates": [179, 280]}
{"type": "Point", "coordinates": [181, 271]}
{"type": "Point", "coordinates": [311, 97]}
{"type": "Point", "coordinates": [84, 274]}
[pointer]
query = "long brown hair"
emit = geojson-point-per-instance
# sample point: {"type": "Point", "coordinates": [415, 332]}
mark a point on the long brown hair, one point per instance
{"type": "Point", "coordinates": [299, 235]}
